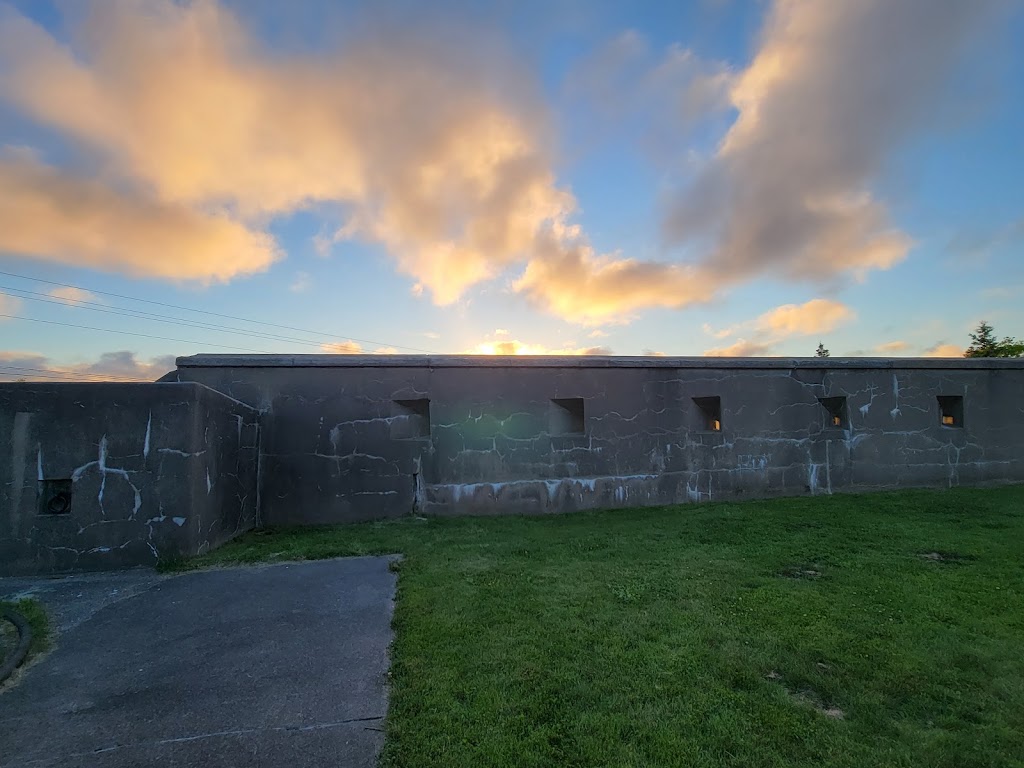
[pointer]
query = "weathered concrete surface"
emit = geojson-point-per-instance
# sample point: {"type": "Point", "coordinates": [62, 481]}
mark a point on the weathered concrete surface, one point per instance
{"type": "Point", "coordinates": [154, 471]}
{"type": "Point", "coordinates": [282, 665]}
{"type": "Point", "coordinates": [345, 437]}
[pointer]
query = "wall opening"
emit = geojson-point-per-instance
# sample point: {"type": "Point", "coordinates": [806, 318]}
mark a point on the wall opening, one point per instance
{"type": "Point", "coordinates": [410, 419]}
{"type": "Point", "coordinates": [836, 415]}
{"type": "Point", "coordinates": [709, 413]}
{"type": "Point", "coordinates": [567, 416]}
{"type": "Point", "coordinates": [55, 497]}
{"type": "Point", "coordinates": [951, 410]}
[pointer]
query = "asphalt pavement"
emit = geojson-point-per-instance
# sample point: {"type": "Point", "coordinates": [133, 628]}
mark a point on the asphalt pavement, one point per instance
{"type": "Point", "coordinates": [279, 665]}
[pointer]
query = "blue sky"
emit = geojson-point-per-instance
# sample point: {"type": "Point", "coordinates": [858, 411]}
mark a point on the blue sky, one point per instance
{"type": "Point", "coordinates": [713, 177]}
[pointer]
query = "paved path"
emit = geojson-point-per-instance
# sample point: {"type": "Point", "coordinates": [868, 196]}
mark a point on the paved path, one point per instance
{"type": "Point", "coordinates": [282, 665]}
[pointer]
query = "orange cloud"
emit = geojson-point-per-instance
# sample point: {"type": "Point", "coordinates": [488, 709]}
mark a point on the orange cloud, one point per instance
{"type": "Point", "coordinates": [436, 151]}
{"type": "Point", "coordinates": [815, 316]}
{"type": "Point", "coordinates": [183, 104]}
{"type": "Point", "coordinates": [944, 350]}
{"type": "Point", "coordinates": [574, 283]}
{"type": "Point", "coordinates": [72, 295]}
{"type": "Point", "coordinates": [355, 348]}
{"type": "Point", "coordinates": [515, 347]}
{"type": "Point", "coordinates": [742, 348]}
{"type": "Point", "coordinates": [54, 216]}
{"type": "Point", "coordinates": [891, 347]}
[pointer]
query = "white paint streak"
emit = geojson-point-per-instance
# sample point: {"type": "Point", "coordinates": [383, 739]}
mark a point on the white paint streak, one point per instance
{"type": "Point", "coordinates": [145, 444]}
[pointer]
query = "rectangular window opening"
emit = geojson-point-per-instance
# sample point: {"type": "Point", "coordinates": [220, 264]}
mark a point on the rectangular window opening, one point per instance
{"type": "Point", "coordinates": [951, 410]}
{"type": "Point", "coordinates": [55, 497]}
{"type": "Point", "coordinates": [836, 414]}
{"type": "Point", "coordinates": [567, 416]}
{"type": "Point", "coordinates": [710, 413]}
{"type": "Point", "coordinates": [410, 419]}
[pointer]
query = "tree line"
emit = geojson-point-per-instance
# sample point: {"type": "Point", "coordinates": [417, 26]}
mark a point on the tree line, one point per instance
{"type": "Point", "coordinates": [984, 343]}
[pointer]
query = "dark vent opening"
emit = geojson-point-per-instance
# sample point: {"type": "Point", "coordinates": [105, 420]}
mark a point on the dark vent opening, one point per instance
{"type": "Point", "coordinates": [836, 414]}
{"type": "Point", "coordinates": [567, 416]}
{"type": "Point", "coordinates": [710, 413]}
{"type": "Point", "coordinates": [410, 419]}
{"type": "Point", "coordinates": [951, 410]}
{"type": "Point", "coordinates": [55, 497]}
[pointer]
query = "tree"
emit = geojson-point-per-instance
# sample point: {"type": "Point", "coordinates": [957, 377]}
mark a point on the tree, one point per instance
{"type": "Point", "coordinates": [822, 352]}
{"type": "Point", "coordinates": [985, 344]}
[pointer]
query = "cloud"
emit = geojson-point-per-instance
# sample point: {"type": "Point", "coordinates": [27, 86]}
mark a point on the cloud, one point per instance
{"type": "Point", "coordinates": [662, 95]}
{"type": "Point", "coordinates": [974, 245]}
{"type": "Point", "coordinates": [355, 348]}
{"type": "Point", "coordinates": [742, 348]}
{"type": "Point", "coordinates": [810, 318]}
{"type": "Point", "coordinates": [833, 89]}
{"type": "Point", "coordinates": [941, 349]}
{"type": "Point", "coordinates": [193, 137]}
{"type": "Point", "coordinates": [344, 348]}
{"type": "Point", "coordinates": [501, 332]}
{"type": "Point", "coordinates": [719, 334]}
{"type": "Point", "coordinates": [815, 316]}
{"type": "Point", "coordinates": [653, 353]}
{"type": "Point", "coordinates": [111, 366]}
{"type": "Point", "coordinates": [575, 283]}
{"type": "Point", "coordinates": [432, 334]}
{"type": "Point", "coordinates": [9, 305]}
{"type": "Point", "coordinates": [597, 333]}
{"type": "Point", "coordinates": [891, 347]}
{"type": "Point", "coordinates": [435, 150]}
{"type": "Point", "coordinates": [53, 215]}
{"type": "Point", "coordinates": [301, 283]}
{"type": "Point", "coordinates": [71, 295]}
{"type": "Point", "coordinates": [124, 364]}
{"type": "Point", "coordinates": [515, 347]}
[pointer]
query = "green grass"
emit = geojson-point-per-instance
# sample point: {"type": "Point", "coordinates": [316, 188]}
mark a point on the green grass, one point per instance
{"type": "Point", "coordinates": [708, 635]}
{"type": "Point", "coordinates": [33, 611]}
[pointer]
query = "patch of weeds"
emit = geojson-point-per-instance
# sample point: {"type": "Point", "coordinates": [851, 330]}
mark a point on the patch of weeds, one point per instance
{"type": "Point", "coordinates": [33, 611]}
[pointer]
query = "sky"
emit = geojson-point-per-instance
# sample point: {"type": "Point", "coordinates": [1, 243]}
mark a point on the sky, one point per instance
{"type": "Point", "coordinates": [714, 177]}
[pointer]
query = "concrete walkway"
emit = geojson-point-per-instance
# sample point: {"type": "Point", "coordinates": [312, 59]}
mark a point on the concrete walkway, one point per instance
{"type": "Point", "coordinates": [282, 665]}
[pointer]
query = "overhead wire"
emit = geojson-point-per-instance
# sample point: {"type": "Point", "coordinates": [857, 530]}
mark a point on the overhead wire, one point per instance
{"type": "Point", "coordinates": [132, 333]}
{"type": "Point", "coordinates": [211, 314]}
{"type": "Point", "coordinates": [78, 375]}
{"type": "Point", "coordinates": [92, 306]}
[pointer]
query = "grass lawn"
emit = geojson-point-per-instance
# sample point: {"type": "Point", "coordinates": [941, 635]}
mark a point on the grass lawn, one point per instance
{"type": "Point", "coordinates": [867, 630]}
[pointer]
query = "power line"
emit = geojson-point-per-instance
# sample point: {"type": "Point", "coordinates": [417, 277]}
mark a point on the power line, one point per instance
{"type": "Point", "coordinates": [80, 375]}
{"type": "Point", "coordinates": [131, 333]}
{"type": "Point", "coordinates": [125, 312]}
{"type": "Point", "coordinates": [60, 377]}
{"type": "Point", "coordinates": [212, 314]}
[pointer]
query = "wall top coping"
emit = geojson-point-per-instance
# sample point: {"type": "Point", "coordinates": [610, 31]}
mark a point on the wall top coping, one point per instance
{"type": "Point", "coordinates": [581, 361]}
{"type": "Point", "coordinates": [112, 389]}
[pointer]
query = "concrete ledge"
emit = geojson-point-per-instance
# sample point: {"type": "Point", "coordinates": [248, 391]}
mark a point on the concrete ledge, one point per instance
{"type": "Point", "coordinates": [580, 361]}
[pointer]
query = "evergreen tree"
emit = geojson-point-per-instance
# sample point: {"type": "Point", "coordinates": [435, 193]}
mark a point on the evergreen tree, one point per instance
{"type": "Point", "coordinates": [985, 344]}
{"type": "Point", "coordinates": [822, 352]}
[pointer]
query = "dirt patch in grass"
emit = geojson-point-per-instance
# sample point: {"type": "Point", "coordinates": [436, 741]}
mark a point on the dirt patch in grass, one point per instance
{"type": "Point", "coordinates": [807, 696]}
{"type": "Point", "coordinates": [812, 571]}
{"type": "Point", "coordinates": [946, 557]}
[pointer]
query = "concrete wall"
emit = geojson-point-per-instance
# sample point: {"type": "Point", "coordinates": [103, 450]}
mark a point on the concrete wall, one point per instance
{"type": "Point", "coordinates": [153, 470]}
{"type": "Point", "coordinates": [350, 437]}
